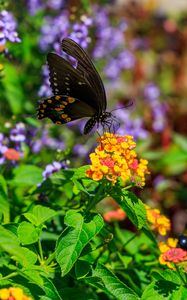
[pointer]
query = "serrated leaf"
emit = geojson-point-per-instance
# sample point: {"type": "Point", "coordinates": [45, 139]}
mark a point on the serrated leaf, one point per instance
{"type": "Point", "coordinates": [27, 175]}
{"type": "Point", "coordinates": [27, 233]}
{"type": "Point", "coordinates": [134, 209]}
{"type": "Point", "coordinates": [75, 237]}
{"type": "Point", "coordinates": [110, 284]}
{"type": "Point", "coordinates": [40, 214]}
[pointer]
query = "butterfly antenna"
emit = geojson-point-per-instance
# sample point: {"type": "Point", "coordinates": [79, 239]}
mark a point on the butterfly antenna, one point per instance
{"type": "Point", "coordinates": [129, 104]}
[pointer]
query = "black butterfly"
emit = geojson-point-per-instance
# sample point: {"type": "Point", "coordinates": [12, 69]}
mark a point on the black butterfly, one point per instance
{"type": "Point", "coordinates": [78, 92]}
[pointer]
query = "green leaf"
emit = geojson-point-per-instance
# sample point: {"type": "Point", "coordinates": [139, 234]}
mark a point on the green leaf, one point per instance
{"type": "Point", "coordinates": [75, 294]}
{"type": "Point", "coordinates": [80, 172]}
{"type": "Point", "coordinates": [169, 275]}
{"type": "Point", "coordinates": [33, 276]}
{"type": "Point", "coordinates": [27, 175]}
{"type": "Point", "coordinates": [27, 233]}
{"type": "Point", "coordinates": [160, 290]}
{"type": "Point", "coordinates": [50, 290]}
{"type": "Point", "coordinates": [3, 185]}
{"type": "Point", "coordinates": [180, 140]}
{"type": "Point", "coordinates": [10, 243]}
{"type": "Point", "coordinates": [181, 294]}
{"type": "Point", "coordinates": [105, 280]}
{"type": "Point", "coordinates": [82, 268]}
{"type": "Point", "coordinates": [4, 203]}
{"type": "Point", "coordinates": [134, 209]}
{"type": "Point", "coordinates": [40, 214]}
{"type": "Point", "coordinates": [13, 89]}
{"type": "Point", "coordinates": [75, 237]}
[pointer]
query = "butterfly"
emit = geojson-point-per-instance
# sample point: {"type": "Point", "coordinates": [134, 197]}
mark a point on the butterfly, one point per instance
{"type": "Point", "coordinates": [78, 91]}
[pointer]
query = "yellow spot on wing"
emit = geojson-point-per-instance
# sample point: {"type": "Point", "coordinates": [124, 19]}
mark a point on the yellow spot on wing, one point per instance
{"type": "Point", "coordinates": [57, 97]}
{"type": "Point", "coordinates": [58, 122]}
{"type": "Point", "coordinates": [49, 101]}
{"type": "Point", "coordinates": [64, 102]}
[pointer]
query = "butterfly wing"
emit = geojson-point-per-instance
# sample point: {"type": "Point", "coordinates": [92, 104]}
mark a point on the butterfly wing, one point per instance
{"type": "Point", "coordinates": [88, 71]}
{"type": "Point", "coordinates": [66, 80]}
{"type": "Point", "coordinates": [63, 109]}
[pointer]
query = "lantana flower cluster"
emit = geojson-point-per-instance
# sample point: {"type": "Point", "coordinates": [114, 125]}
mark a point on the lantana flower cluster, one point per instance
{"type": "Point", "coordinates": [13, 293]}
{"type": "Point", "coordinates": [157, 221]}
{"type": "Point", "coordinates": [115, 158]}
{"type": "Point", "coordinates": [114, 215]}
{"type": "Point", "coordinates": [171, 254]}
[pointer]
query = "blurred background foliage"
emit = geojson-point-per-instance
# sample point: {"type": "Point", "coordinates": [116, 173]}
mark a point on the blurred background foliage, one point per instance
{"type": "Point", "coordinates": [140, 50]}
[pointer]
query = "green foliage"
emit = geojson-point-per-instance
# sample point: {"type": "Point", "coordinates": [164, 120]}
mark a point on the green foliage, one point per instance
{"type": "Point", "coordinates": [54, 241]}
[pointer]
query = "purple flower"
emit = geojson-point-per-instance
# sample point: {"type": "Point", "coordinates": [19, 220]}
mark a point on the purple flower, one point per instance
{"type": "Point", "coordinates": [46, 141]}
{"type": "Point", "coordinates": [35, 5]}
{"type": "Point", "coordinates": [45, 89]}
{"type": "Point", "coordinates": [18, 133]}
{"type": "Point", "coordinates": [56, 4]}
{"type": "Point", "coordinates": [54, 30]}
{"type": "Point", "coordinates": [8, 28]}
{"type": "Point", "coordinates": [80, 34]}
{"type": "Point", "coordinates": [81, 150]}
{"type": "Point", "coordinates": [151, 92]}
{"type": "Point", "coordinates": [129, 125]}
{"type": "Point", "coordinates": [126, 60]}
{"type": "Point", "coordinates": [53, 168]}
{"type": "Point", "coordinates": [112, 69]}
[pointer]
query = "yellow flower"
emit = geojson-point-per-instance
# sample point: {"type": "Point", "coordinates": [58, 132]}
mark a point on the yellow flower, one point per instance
{"type": "Point", "coordinates": [4, 294]}
{"type": "Point", "coordinates": [157, 221]}
{"type": "Point", "coordinates": [13, 293]}
{"type": "Point", "coordinates": [115, 158]}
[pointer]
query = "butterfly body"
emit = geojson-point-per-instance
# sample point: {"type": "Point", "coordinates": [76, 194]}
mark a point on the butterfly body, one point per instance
{"type": "Point", "coordinates": [78, 92]}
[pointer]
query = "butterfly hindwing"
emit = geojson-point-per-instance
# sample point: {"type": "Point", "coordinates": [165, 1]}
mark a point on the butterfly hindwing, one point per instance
{"type": "Point", "coordinates": [63, 109]}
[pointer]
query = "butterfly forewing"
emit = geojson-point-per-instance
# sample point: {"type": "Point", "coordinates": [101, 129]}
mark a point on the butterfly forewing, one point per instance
{"type": "Point", "coordinates": [86, 67]}
{"type": "Point", "coordinates": [66, 80]}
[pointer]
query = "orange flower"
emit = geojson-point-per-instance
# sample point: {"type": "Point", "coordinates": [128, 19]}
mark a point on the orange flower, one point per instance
{"type": "Point", "coordinates": [13, 293]}
{"type": "Point", "coordinates": [157, 221]}
{"type": "Point", "coordinates": [115, 158]}
{"type": "Point", "coordinates": [114, 215]}
{"type": "Point", "coordinates": [11, 154]}
{"type": "Point", "coordinates": [170, 253]}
